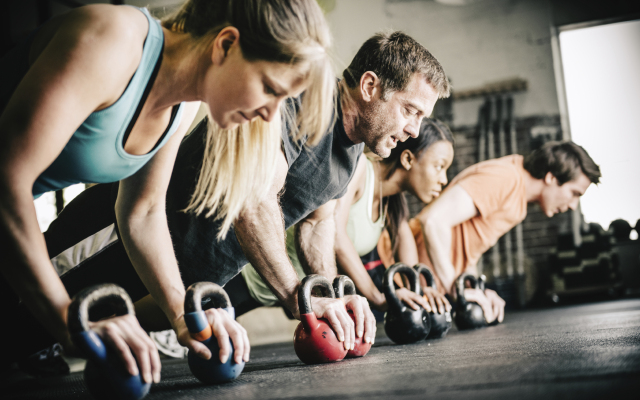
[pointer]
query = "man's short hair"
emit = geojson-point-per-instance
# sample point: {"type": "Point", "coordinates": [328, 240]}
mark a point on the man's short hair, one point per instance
{"type": "Point", "coordinates": [564, 160]}
{"type": "Point", "coordinates": [394, 57]}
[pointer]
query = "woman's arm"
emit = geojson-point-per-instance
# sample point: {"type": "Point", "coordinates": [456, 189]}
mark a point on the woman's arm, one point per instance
{"type": "Point", "coordinates": [346, 254]}
{"type": "Point", "coordinates": [84, 66]}
{"type": "Point", "coordinates": [407, 249]}
{"type": "Point", "coordinates": [142, 221]}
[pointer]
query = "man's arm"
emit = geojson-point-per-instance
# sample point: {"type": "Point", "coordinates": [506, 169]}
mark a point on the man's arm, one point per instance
{"type": "Point", "coordinates": [260, 232]}
{"type": "Point", "coordinates": [315, 240]}
{"type": "Point", "coordinates": [437, 219]}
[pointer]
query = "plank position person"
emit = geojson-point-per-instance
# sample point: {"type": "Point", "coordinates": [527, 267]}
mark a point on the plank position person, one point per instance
{"type": "Point", "coordinates": [488, 199]}
{"type": "Point", "coordinates": [373, 201]}
{"type": "Point", "coordinates": [106, 93]}
{"type": "Point", "coordinates": [391, 85]}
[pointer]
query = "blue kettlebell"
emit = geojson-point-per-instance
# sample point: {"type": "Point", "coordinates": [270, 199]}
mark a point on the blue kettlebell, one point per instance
{"type": "Point", "coordinates": [209, 371]}
{"type": "Point", "coordinates": [105, 375]}
{"type": "Point", "coordinates": [402, 324]}
{"type": "Point", "coordinates": [440, 323]}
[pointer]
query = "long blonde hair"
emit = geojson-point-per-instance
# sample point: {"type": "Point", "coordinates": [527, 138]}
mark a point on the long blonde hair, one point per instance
{"type": "Point", "coordinates": [239, 164]}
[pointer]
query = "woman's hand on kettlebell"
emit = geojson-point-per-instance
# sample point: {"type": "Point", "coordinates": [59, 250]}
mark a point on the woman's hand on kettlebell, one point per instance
{"type": "Point", "coordinates": [365, 321]}
{"type": "Point", "coordinates": [437, 300]}
{"type": "Point", "coordinates": [125, 335]}
{"type": "Point", "coordinates": [223, 328]}
{"type": "Point", "coordinates": [497, 303]}
{"type": "Point", "coordinates": [412, 299]}
{"type": "Point", "coordinates": [334, 311]}
{"type": "Point", "coordinates": [478, 296]}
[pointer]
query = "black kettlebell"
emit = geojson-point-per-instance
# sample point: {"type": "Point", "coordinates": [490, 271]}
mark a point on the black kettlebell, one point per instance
{"type": "Point", "coordinates": [212, 370]}
{"type": "Point", "coordinates": [469, 314]}
{"type": "Point", "coordinates": [481, 285]}
{"type": "Point", "coordinates": [402, 324]}
{"type": "Point", "coordinates": [105, 375]}
{"type": "Point", "coordinates": [440, 323]}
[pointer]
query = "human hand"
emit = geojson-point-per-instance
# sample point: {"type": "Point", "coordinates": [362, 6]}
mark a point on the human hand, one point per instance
{"type": "Point", "coordinates": [497, 303]}
{"type": "Point", "coordinates": [478, 296]}
{"type": "Point", "coordinates": [335, 312]}
{"type": "Point", "coordinates": [223, 328]}
{"type": "Point", "coordinates": [412, 299]}
{"type": "Point", "coordinates": [125, 336]}
{"type": "Point", "coordinates": [437, 300]}
{"type": "Point", "coordinates": [365, 322]}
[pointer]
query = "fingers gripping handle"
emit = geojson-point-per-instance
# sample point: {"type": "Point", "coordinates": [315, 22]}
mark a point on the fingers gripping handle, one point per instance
{"type": "Point", "coordinates": [109, 295]}
{"type": "Point", "coordinates": [304, 292]}
{"type": "Point", "coordinates": [389, 288]}
{"type": "Point", "coordinates": [343, 285]}
{"type": "Point", "coordinates": [195, 317]}
{"type": "Point", "coordinates": [460, 285]}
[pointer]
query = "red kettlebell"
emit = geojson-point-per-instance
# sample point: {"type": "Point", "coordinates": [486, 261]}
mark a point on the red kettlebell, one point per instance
{"type": "Point", "coordinates": [342, 285]}
{"type": "Point", "coordinates": [314, 341]}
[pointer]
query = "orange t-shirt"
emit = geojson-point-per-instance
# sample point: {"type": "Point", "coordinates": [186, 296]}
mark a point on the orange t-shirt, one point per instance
{"type": "Point", "coordinates": [498, 192]}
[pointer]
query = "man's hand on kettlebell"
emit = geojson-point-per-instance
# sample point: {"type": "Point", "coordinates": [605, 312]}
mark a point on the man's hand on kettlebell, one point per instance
{"type": "Point", "coordinates": [365, 321]}
{"type": "Point", "coordinates": [125, 335]}
{"type": "Point", "coordinates": [334, 311]}
{"type": "Point", "coordinates": [497, 303]}
{"type": "Point", "coordinates": [478, 296]}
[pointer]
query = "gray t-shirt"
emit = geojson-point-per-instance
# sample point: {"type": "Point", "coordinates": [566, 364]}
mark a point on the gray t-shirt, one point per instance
{"type": "Point", "coordinates": [316, 175]}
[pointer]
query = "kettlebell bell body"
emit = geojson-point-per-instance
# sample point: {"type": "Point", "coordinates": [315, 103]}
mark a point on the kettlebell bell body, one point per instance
{"type": "Point", "coordinates": [209, 371]}
{"type": "Point", "coordinates": [314, 340]}
{"type": "Point", "coordinates": [402, 324]}
{"type": "Point", "coordinates": [104, 373]}
{"type": "Point", "coordinates": [469, 315]}
{"type": "Point", "coordinates": [342, 285]}
{"type": "Point", "coordinates": [440, 323]}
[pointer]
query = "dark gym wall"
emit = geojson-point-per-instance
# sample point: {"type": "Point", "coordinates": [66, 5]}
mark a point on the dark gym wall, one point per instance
{"type": "Point", "coordinates": [566, 12]}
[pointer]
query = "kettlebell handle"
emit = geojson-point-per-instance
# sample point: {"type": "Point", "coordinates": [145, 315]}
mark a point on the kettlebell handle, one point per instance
{"type": "Point", "coordinates": [103, 295]}
{"type": "Point", "coordinates": [195, 293]}
{"type": "Point", "coordinates": [389, 288]}
{"type": "Point", "coordinates": [426, 272]}
{"type": "Point", "coordinates": [304, 291]}
{"type": "Point", "coordinates": [481, 282]}
{"type": "Point", "coordinates": [460, 285]}
{"type": "Point", "coordinates": [342, 285]}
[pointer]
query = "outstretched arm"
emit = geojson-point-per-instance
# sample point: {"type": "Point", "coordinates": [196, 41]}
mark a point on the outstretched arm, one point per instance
{"type": "Point", "coordinates": [315, 242]}
{"type": "Point", "coordinates": [260, 231]}
{"type": "Point", "coordinates": [437, 219]}
{"type": "Point", "coordinates": [82, 66]}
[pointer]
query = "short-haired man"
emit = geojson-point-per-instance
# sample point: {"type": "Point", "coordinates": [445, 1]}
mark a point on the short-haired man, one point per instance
{"type": "Point", "coordinates": [488, 199]}
{"type": "Point", "coordinates": [392, 83]}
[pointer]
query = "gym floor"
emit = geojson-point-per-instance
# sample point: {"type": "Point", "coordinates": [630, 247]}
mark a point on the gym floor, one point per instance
{"type": "Point", "coordinates": [588, 351]}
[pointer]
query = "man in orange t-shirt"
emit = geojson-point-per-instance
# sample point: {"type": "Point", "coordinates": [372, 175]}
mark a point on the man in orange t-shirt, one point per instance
{"type": "Point", "coordinates": [487, 200]}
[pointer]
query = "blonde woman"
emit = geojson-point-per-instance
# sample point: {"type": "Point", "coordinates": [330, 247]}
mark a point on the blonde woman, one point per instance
{"type": "Point", "coordinates": [106, 93]}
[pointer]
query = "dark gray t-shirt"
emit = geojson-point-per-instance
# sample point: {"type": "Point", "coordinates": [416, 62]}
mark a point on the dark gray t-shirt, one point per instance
{"type": "Point", "coordinates": [316, 175]}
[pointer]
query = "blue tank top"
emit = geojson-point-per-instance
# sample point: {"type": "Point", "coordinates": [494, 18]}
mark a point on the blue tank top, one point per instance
{"type": "Point", "coordinates": [95, 153]}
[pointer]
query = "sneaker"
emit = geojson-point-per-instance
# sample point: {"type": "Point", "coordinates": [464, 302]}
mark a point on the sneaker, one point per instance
{"type": "Point", "coordinates": [167, 344]}
{"type": "Point", "coordinates": [47, 362]}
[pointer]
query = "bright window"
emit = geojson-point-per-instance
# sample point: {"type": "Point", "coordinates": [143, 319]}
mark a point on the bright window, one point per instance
{"type": "Point", "coordinates": [602, 80]}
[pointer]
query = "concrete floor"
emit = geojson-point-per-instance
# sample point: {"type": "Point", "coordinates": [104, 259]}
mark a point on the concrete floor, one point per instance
{"type": "Point", "coordinates": [587, 351]}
